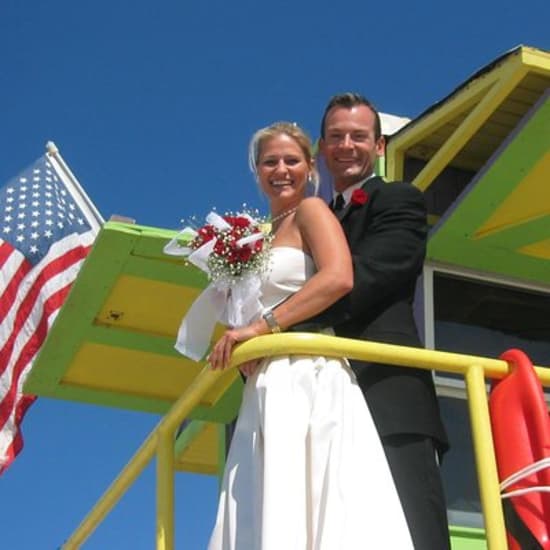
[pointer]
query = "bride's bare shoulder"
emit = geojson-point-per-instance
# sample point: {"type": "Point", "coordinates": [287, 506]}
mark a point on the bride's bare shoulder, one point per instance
{"type": "Point", "coordinates": [313, 205]}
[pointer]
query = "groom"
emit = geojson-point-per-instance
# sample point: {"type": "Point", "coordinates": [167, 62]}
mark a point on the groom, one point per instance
{"type": "Point", "coordinates": [385, 225]}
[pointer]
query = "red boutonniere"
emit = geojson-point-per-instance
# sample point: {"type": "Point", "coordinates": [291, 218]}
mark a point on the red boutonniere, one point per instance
{"type": "Point", "coordinates": [359, 197]}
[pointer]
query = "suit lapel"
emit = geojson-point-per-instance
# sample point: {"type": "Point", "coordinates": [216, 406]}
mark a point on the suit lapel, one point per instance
{"type": "Point", "coordinates": [367, 186]}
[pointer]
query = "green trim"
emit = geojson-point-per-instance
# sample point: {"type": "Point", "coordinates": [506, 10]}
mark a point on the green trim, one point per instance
{"type": "Point", "coordinates": [224, 411]}
{"type": "Point", "coordinates": [132, 340]}
{"type": "Point", "coordinates": [150, 267]}
{"type": "Point", "coordinates": [89, 291]}
{"type": "Point", "coordinates": [467, 538]}
{"type": "Point", "coordinates": [120, 250]}
{"type": "Point", "coordinates": [455, 240]}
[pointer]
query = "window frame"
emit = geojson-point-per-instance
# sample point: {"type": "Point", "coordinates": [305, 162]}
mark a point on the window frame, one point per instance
{"type": "Point", "coordinates": [445, 385]}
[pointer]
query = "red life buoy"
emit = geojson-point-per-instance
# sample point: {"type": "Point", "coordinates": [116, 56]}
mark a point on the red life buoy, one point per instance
{"type": "Point", "coordinates": [521, 433]}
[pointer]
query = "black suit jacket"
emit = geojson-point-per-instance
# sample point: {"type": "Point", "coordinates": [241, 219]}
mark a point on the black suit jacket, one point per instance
{"type": "Point", "coordinates": [387, 238]}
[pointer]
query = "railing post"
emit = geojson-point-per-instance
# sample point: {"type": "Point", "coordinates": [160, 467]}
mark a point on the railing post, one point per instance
{"type": "Point", "coordinates": [161, 440]}
{"type": "Point", "coordinates": [168, 424]}
{"type": "Point", "coordinates": [485, 458]}
{"type": "Point", "coordinates": [165, 489]}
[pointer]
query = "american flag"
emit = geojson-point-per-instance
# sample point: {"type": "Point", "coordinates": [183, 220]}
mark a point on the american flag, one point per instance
{"type": "Point", "coordinates": [47, 227]}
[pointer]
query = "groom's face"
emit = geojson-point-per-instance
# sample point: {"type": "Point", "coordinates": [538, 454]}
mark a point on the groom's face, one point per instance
{"type": "Point", "coordinates": [350, 146]}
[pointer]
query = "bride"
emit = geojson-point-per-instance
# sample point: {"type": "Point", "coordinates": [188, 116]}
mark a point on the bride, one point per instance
{"type": "Point", "coordinates": [306, 470]}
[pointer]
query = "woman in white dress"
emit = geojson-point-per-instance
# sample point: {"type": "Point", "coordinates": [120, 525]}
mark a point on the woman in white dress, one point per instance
{"type": "Point", "coordinates": [306, 470]}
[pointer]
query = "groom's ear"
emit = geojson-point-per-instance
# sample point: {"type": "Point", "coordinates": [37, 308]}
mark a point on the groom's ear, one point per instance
{"type": "Point", "coordinates": [380, 146]}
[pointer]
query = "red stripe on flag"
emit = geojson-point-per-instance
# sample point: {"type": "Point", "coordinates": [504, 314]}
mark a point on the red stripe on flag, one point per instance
{"type": "Point", "coordinates": [17, 444]}
{"type": "Point", "coordinates": [5, 252]}
{"type": "Point", "coordinates": [10, 292]}
{"type": "Point", "coordinates": [35, 281]}
{"type": "Point", "coordinates": [53, 303]}
{"type": "Point", "coordinates": [50, 270]}
{"type": "Point", "coordinates": [13, 399]}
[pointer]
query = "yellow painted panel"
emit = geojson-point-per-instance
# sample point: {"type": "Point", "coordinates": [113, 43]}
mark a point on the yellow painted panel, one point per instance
{"type": "Point", "coordinates": [515, 107]}
{"type": "Point", "coordinates": [508, 121]}
{"type": "Point", "coordinates": [455, 107]}
{"type": "Point", "coordinates": [205, 468]}
{"type": "Point", "coordinates": [525, 95]}
{"type": "Point", "coordinates": [485, 140]}
{"type": "Point", "coordinates": [471, 125]}
{"type": "Point", "coordinates": [536, 81]}
{"type": "Point", "coordinates": [494, 127]}
{"type": "Point", "coordinates": [529, 200]}
{"type": "Point", "coordinates": [139, 373]}
{"type": "Point", "coordinates": [539, 250]}
{"type": "Point", "coordinates": [471, 160]}
{"type": "Point", "coordinates": [539, 60]}
{"type": "Point", "coordinates": [146, 305]}
{"type": "Point", "coordinates": [202, 453]}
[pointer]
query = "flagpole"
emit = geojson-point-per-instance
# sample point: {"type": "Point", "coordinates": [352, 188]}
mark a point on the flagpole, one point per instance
{"type": "Point", "coordinates": [70, 179]}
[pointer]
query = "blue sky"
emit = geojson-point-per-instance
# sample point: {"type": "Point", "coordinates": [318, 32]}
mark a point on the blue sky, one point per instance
{"type": "Point", "coordinates": [152, 106]}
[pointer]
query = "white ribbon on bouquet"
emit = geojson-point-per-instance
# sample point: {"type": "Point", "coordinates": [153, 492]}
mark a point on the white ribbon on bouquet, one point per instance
{"type": "Point", "coordinates": [233, 302]}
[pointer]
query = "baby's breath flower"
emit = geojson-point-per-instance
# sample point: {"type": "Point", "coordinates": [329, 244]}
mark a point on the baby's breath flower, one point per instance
{"type": "Point", "coordinates": [231, 258]}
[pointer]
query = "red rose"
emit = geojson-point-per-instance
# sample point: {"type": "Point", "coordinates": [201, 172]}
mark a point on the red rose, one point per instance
{"type": "Point", "coordinates": [244, 253]}
{"type": "Point", "coordinates": [237, 221]}
{"type": "Point", "coordinates": [219, 247]}
{"type": "Point", "coordinates": [205, 234]}
{"type": "Point", "coordinates": [359, 197]}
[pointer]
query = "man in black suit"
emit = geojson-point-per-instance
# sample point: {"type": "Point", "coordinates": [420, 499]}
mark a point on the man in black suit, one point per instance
{"type": "Point", "coordinates": [385, 225]}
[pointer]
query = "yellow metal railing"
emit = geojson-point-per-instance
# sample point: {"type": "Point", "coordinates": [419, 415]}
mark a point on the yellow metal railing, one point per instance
{"type": "Point", "coordinates": [161, 440]}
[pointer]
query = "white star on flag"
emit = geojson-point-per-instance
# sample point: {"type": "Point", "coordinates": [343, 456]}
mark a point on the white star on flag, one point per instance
{"type": "Point", "coordinates": [38, 263]}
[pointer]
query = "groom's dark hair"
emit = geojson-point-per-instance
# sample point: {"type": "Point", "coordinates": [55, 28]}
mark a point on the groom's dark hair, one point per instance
{"type": "Point", "coordinates": [349, 100]}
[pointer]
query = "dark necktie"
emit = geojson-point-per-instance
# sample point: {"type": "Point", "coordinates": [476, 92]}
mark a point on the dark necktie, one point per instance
{"type": "Point", "coordinates": [338, 203]}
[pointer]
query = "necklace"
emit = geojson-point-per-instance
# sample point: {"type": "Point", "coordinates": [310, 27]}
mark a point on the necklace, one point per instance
{"type": "Point", "coordinates": [283, 215]}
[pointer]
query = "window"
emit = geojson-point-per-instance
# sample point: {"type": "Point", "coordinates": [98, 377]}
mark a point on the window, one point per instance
{"type": "Point", "coordinates": [478, 317]}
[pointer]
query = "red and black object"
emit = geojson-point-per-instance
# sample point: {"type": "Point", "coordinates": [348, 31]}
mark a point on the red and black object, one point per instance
{"type": "Point", "coordinates": [521, 433]}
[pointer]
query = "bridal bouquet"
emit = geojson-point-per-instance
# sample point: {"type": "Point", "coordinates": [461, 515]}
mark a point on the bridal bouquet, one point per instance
{"type": "Point", "coordinates": [230, 247]}
{"type": "Point", "coordinates": [233, 250]}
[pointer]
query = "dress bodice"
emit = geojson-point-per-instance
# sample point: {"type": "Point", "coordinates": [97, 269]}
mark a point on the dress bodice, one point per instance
{"type": "Point", "coordinates": [289, 269]}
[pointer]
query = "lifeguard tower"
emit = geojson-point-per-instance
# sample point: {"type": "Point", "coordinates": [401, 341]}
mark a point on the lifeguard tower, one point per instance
{"type": "Point", "coordinates": [482, 157]}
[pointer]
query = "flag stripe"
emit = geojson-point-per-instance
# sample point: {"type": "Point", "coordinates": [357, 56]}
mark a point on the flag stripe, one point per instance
{"type": "Point", "coordinates": [5, 252]}
{"type": "Point", "coordinates": [46, 232]}
{"type": "Point", "coordinates": [13, 377]}
{"type": "Point", "coordinates": [16, 443]}
{"type": "Point", "coordinates": [18, 342]}
{"type": "Point", "coordinates": [28, 351]}
{"type": "Point", "coordinates": [9, 294]}
{"type": "Point", "coordinates": [24, 310]}
{"type": "Point", "coordinates": [57, 251]}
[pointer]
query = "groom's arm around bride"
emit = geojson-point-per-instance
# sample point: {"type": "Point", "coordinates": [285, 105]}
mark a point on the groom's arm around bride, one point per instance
{"type": "Point", "coordinates": [386, 230]}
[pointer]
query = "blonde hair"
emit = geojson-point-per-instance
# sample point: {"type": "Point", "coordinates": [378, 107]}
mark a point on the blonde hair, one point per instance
{"type": "Point", "coordinates": [290, 129]}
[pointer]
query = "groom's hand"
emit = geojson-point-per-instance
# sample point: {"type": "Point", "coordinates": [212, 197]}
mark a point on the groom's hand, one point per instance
{"type": "Point", "coordinates": [333, 316]}
{"type": "Point", "coordinates": [250, 367]}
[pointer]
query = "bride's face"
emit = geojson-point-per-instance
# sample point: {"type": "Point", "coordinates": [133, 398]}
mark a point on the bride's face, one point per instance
{"type": "Point", "coordinates": [282, 168]}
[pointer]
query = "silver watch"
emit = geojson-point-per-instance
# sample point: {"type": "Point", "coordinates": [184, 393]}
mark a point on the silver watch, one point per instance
{"type": "Point", "coordinates": [269, 318]}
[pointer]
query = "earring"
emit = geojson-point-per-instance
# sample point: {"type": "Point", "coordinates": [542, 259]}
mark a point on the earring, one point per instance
{"type": "Point", "coordinates": [313, 184]}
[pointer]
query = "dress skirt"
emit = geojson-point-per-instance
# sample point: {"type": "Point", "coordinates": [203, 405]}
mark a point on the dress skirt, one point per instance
{"type": "Point", "coordinates": [306, 469]}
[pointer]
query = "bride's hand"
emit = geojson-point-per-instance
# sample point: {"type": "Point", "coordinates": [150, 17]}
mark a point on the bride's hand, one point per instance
{"type": "Point", "coordinates": [220, 355]}
{"type": "Point", "coordinates": [221, 352]}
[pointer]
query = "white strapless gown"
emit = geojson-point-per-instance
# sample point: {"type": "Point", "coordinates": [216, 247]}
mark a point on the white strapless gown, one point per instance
{"type": "Point", "coordinates": [306, 469]}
